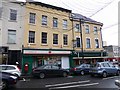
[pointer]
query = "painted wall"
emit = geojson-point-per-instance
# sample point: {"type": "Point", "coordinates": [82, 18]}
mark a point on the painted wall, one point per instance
{"type": "Point", "coordinates": [14, 25]}
{"type": "Point", "coordinates": [38, 28]}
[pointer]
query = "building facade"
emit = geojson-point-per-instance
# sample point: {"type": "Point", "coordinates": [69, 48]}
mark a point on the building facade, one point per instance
{"type": "Point", "coordinates": [47, 37]}
{"type": "Point", "coordinates": [11, 31]}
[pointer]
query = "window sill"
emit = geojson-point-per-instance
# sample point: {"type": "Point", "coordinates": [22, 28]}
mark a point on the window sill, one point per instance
{"type": "Point", "coordinates": [44, 44]}
{"type": "Point", "coordinates": [11, 43]}
{"type": "Point", "coordinates": [65, 45]}
{"type": "Point", "coordinates": [65, 29]}
{"type": "Point", "coordinates": [55, 27]}
{"type": "Point", "coordinates": [32, 24]}
{"type": "Point", "coordinates": [12, 20]}
{"type": "Point", "coordinates": [55, 45]}
{"type": "Point", "coordinates": [31, 43]}
{"type": "Point", "coordinates": [45, 26]}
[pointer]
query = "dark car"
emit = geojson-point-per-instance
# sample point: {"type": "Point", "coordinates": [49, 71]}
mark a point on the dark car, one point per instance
{"type": "Point", "coordinates": [80, 69]}
{"type": "Point", "coordinates": [49, 70]}
{"type": "Point", "coordinates": [104, 69]}
{"type": "Point", "coordinates": [7, 80]}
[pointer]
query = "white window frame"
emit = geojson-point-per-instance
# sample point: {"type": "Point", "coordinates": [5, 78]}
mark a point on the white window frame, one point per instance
{"type": "Point", "coordinates": [32, 18]}
{"type": "Point", "coordinates": [87, 29]}
{"type": "Point", "coordinates": [95, 30]}
{"type": "Point", "coordinates": [55, 22]}
{"type": "Point", "coordinates": [13, 12]}
{"type": "Point", "coordinates": [44, 20]}
{"type": "Point", "coordinates": [11, 36]}
{"type": "Point", "coordinates": [65, 40]}
{"type": "Point", "coordinates": [31, 37]}
{"type": "Point", "coordinates": [65, 24]}
{"type": "Point", "coordinates": [89, 43]}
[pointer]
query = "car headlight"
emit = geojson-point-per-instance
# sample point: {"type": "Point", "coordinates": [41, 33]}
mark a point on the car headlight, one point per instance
{"type": "Point", "coordinates": [13, 77]}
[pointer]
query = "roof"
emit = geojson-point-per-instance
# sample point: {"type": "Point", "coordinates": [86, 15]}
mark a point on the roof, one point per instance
{"type": "Point", "coordinates": [76, 16]}
{"type": "Point", "coordinates": [50, 6]}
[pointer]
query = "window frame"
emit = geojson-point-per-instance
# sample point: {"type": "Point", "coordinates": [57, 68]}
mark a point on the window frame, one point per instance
{"type": "Point", "coordinates": [44, 40]}
{"type": "Point", "coordinates": [78, 44]}
{"type": "Point", "coordinates": [55, 39]}
{"type": "Point", "coordinates": [11, 33]}
{"type": "Point", "coordinates": [44, 20]}
{"type": "Point", "coordinates": [65, 39]}
{"type": "Point", "coordinates": [77, 27]}
{"type": "Point", "coordinates": [31, 38]}
{"type": "Point", "coordinates": [55, 22]}
{"type": "Point", "coordinates": [87, 29]}
{"type": "Point", "coordinates": [65, 24]}
{"type": "Point", "coordinates": [97, 43]}
{"type": "Point", "coordinates": [88, 45]}
{"type": "Point", "coordinates": [95, 30]}
{"type": "Point", "coordinates": [13, 15]}
{"type": "Point", "coordinates": [32, 18]}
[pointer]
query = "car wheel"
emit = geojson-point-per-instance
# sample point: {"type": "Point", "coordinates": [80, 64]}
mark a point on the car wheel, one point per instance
{"type": "Point", "coordinates": [42, 75]}
{"type": "Point", "coordinates": [65, 74]}
{"type": "Point", "coordinates": [118, 73]}
{"type": "Point", "coordinates": [104, 74]}
{"type": "Point", "coordinates": [82, 73]}
{"type": "Point", "coordinates": [3, 84]}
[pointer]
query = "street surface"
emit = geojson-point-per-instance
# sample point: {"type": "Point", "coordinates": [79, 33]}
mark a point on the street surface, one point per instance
{"type": "Point", "coordinates": [70, 82]}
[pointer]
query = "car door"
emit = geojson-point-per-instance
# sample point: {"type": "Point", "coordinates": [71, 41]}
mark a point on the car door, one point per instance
{"type": "Point", "coordinates": [47, 70]}
{"type": "Point", "coordinates": [56, 70]}
{"type": "Point", "coordinates": [113, 69]}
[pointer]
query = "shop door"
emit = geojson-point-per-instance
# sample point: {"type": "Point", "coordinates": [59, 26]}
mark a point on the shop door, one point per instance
{"type": "Point", "coordinates": [65, 62]}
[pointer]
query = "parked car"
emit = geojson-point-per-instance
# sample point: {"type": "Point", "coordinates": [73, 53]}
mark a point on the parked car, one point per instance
{"type": "Point", "coordinates": [13, 69]}
{"type": "Point", "coordinates": [104, 69]}
{"type": "Point", "coordinates": [49, 70]}
{"type": "Point", "coordinates": [80, 69]}
{"type": "Point", "coordinates": [7, 79]}
{"type": "Point", "coordinates": [117, 83]}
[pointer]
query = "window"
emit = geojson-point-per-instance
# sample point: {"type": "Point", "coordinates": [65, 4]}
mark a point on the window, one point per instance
{"type": "Point", "coordinates": [55, 38]}
{"type": "Point", "coordinates": [44, 20]}
{"type": "Point", "coordinates": [78, 42]}
{"type": "Point", "coordinates": [65, 38]}
{"type": "Point", "coordinates": [10, 68]}
{"type": "Point", "coordinates": [95, 30]}
{"type": "Point", "coordinates": [44, 37]}
{"type": "Point", "coordinates": [31, 36]}
{"type": "Point", "coordinates": [11, 36]}
{"type": "Point", "coordinates": [64, 24]}
{"type": "Point", "coordinates": [32, 18]}
{"type": "Point", "coordinates": [106, 65]}
{"type": "Point", "coordinates": [55, 22]}
{"type": "Point", "coordinates": [77, 27]}
{"type": "Point", "coordinates": [87, 43]}
{"type": "Point", "coordinates": [13, 14]}
{"type": "Point", "coordinates": [96, 43]}
{"type": "Point", "coordinates": [87, 31]}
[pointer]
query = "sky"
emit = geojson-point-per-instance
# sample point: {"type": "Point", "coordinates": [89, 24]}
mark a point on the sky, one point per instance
{"type": "Point", "coordinates": [104, 11]}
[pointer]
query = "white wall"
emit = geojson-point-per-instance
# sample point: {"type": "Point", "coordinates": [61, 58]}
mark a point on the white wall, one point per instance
{"type": "Point", "coordinates": [7, 24]}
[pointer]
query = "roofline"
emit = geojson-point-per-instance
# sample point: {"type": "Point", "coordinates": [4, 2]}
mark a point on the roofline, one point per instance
{"type": "Point", "coordinates": [49, 6]}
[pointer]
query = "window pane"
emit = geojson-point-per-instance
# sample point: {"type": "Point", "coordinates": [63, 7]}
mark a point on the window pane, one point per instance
{"type": "Point", "coordinates": [87, 29]}
{"type": "Point", "coordinates": [12, 36]}
{"type": "Point", "coordinates": [31, 36]}
{"type": "Point", "coordinates": [55, 38]}
{"type": "Point", "coordinates": [13, 14]}
{"type": "Point", "coordinates": [44, 37]}
{"type": "Point", "coordinates": [44, 20]}
{"type": "Point", "coordinates": [87, 43]}
{"type": "Point", "coordinates": [64, 24]}
{"type": "Point", "coordinates": [55, 22]}
{"type": "Point", "coordinates": [78, 42]}
{"type": "Point", "coordinates": [32, 18]}
{"type": "Point", "coordinates": [65, 38]}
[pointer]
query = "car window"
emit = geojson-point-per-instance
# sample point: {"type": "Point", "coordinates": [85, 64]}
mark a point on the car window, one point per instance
{"type": "Point", "coordinates": [105, 65]}
{"type": "Point", "coordinates": [55, 67]}
{"type": "Point", "coordinates": [3, 67]}
{"type": "Point", "coordinates": [47, 67]}
{"type": "Point", "coordinates": [10, 68]}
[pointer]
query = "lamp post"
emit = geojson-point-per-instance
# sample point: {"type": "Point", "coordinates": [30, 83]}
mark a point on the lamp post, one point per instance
{"type": "Point", "coordinates": [81, 21]}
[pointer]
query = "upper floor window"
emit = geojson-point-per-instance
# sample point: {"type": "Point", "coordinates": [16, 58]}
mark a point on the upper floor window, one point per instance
{"type": "Point", "coordinates": [44, 20]}
{"type": "Point", "coordinates": [78, 42]}
{"type": "Point", "coordinates": [77, 27]}
{"type": "Point", "coordinates": [55, 38]}
{"type": "Point", "coordinates": [65, 39]}
{"type": "Point", "coordinates": [32, 18]}
{"type": "Point", "coordinates": [11, 36]}
{"type": "Point", "coordinates": [96, 43]}
{"type": "Point", "coordinates": [13, 14]}
{"type": "Point", "coordinates": [64, 24]}
{"type": "Point", "coordinates": [31, 37]}
{"type": "Point", "coordinates": [87, 31]}
{"type": "Point", "coordinates": [95, 30]}
{"type": "Point", "coordinates": [88, 43]}
{"type": "Point", "coordinates": [44, 38]}
{"type": "Point", "coordinates": [55, 22]}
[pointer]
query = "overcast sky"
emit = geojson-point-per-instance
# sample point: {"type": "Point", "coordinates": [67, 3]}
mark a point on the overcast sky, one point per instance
{"type": "Point", "coordinates": [108, 14]}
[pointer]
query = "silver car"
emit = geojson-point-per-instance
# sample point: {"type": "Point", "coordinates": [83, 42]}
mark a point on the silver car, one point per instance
{"type": "Point", "coordinates": [13, 69]}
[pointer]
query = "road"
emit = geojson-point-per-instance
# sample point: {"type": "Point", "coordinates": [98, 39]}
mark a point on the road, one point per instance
{"type": "Point", "coordinates": [70, 82]}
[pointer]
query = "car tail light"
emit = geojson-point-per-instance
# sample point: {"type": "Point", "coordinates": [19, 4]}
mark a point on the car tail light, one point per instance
{"type": "Point", "coordinates": [74, 69]}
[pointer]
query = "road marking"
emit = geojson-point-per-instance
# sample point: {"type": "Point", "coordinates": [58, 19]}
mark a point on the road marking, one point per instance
{"type": "Point", "coordinates": [110, 77]}
{"type": "Point", "coordinates": [75, 86]}
{"type": "Point", "coordinates": [67, 83]}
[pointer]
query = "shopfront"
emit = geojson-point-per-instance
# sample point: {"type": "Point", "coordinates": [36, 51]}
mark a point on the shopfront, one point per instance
{"type": "Point", "coordinates": [38, 57]}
